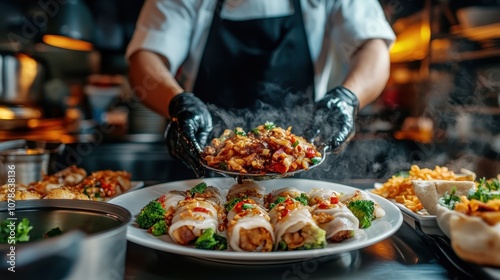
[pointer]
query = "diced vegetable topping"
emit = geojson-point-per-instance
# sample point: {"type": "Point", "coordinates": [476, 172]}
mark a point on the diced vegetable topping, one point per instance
{"type": "Point", "coordinates": [316, 160]}
{"type": "Point", "coordinates": [200, 188]}
{"type": "Point", "coordinates": [450, 199]}
{"type": "Point", "coordinates": [303, 198]}
{"type": "Point", "coordinates": [269, 125]}
{"type": "Point", "coordinates": [230, 204]}
{"type": "Point", "coordinates": [246, 206]}
{"type": "Point", "coordinates": [277, 201]}
{"type": "Point", "coordinates": [239, 131]}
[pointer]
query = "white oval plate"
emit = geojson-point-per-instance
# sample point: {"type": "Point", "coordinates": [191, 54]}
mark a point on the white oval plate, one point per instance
{"type": "Point", "coordinates": [134, 201]}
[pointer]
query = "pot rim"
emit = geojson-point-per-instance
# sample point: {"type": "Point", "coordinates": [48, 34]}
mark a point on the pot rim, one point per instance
{"type": "Point", "coordinates": [96, 207]}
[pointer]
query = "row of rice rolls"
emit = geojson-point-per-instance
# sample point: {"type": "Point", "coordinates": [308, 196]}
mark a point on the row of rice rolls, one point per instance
{"type": "Point", "coordinates": [248, 223]}
{"type": "Point", "coordinates": [332, 215]}
{"type": "Point", "coordinates": [294, 226]}
{"type": "Point", "coordinates": [200, 210]}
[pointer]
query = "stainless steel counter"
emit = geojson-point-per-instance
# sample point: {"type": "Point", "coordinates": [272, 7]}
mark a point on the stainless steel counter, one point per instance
{"type": "Point", "coordinates": [405, 255]}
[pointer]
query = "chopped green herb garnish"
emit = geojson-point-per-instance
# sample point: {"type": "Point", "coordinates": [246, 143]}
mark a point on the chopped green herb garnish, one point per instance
{"type": "Point", "coordinates": [316, 160]}
{"type": "Point", "coordinates": [230, 204]}
{"type": "Point", "coordinates": [246, 206]}
{"type": "Point", "coordinates": [303, 198]}
{"type": "Point", "coordinates": [240, 132]}
{"type": "Point", "coordinates": [404, 174]}
{"type": "Point", "coordinates": [486, 191]}
{"type": "Point", "coordinates": [276, 202]}
{"type": "Point", "coordinates": [255, 131]}
{"type": "Point", "coordinates": [269, 125]}
{"type": "Point", "coordinates": [450, 199]}
{"type": "Point", "coordinates": [200, 188]}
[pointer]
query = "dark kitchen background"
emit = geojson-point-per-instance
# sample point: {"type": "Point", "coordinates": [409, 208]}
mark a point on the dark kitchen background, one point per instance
{"type": "Point", "coordinates": [440, 106]}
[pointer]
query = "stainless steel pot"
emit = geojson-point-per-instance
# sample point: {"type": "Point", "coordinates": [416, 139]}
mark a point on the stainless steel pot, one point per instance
{"type": "Point", "coordinates": [92, 246]}
{"type": "Point", "coordinates": [26, 161]}
{"type": "Point", "coordinates": [21, 79]}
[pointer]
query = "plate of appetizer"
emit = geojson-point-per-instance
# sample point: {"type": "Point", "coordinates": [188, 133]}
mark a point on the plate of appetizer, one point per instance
{"type": "Point", "coordinates": [265, 152]}
{"type": "Point", "coordinates": [455, 212]}
{"type": "Point", "coordinates": [400, 189]}
{"type": "Point", "coordinates": [74, 182]}
{"type": "Point", "coordinates": [257, 222]}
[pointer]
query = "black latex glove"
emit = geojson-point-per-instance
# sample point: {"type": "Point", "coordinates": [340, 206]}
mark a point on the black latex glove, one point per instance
{"type": "Point", "coordinates": [187, 130]}
{"type": "Point", "coordinates": [333, 122]}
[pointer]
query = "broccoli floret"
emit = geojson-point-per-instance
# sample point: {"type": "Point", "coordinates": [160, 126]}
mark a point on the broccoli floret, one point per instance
{"type": "Point", "coordinates": [210, 240]}
{"type": "Point", "coordinates": [200, 188]}
{"type": "Point", "coordinates": [152, 213]}
{"type": "Point", "coordinates": [364, 210]}
{"type": "Point", "coordinates": [159, 228]}
{"type": "Point", "coordinates": [22, 230]}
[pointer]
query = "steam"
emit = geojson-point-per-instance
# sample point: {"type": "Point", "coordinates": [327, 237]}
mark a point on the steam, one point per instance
{"type": "Point", "coordinates": [278, 105]}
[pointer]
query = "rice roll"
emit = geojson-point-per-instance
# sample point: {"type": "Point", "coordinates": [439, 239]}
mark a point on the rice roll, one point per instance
{"type": "Point", "coordinates": [294, 226]}
{"type": "Point", "coordinates": [332, 215]}
{"type": "Point", "coordinates": [169, 202]}
{"type": "Point", "coordinates": [279, 195]}
{"type": "Point", "coordinates": [248, 227]}
{"type": "Point", "coordinates": [200, 210]}
{"type": "Point", "coordinates": [247, 189]}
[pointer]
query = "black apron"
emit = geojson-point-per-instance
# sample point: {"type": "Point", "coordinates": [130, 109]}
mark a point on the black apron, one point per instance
{"type": "Point", "coordinates": [266, 60]}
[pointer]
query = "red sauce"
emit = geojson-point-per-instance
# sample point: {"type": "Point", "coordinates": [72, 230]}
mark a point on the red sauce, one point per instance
{"type": "Point", "coordinates": [201, 209]}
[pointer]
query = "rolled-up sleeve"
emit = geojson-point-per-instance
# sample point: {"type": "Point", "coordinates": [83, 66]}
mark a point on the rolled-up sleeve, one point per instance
{"type": "Point", "coordinates": [355, 21]}
{"type": "Point", "coordinates": [164, 27]}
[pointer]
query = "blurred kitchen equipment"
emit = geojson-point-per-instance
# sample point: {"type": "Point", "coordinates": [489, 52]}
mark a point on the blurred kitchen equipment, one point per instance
{"type": "Point", "coordinates": [101, 91]}
{"type": "Point", "coordinates": [21, 79]}
{"type": "Point", "coordinates": [15, 117]}
{"type": "Point", "coordinates": [29, 160]}
{"type": "Point", "coordinates": [474, 16]}
{"type": "Point", "coordinates": [71, 27]}
{"type": "Point", "coordinates": [100, 99]}
{"type": "Point", "coordinates": [101, 254]}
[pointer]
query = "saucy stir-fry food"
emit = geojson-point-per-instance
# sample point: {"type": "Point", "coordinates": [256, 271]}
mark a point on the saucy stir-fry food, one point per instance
{"type": "Point", "coordinates": [264, 149]}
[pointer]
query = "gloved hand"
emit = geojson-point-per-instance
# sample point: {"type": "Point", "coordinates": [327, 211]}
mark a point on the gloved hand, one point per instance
{"type": "Point", "coordinates": [333, 122]}
{"type": "Point", "coordinates": [188, 129]}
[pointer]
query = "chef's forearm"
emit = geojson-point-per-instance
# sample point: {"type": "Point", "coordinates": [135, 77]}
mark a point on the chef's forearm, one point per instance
{"type": "Point", "coordinates": [152, 81]}
{"type": "Point", "coordinates": [369, 71]}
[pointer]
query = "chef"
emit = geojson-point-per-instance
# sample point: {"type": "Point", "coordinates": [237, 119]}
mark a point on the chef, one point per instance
{"type": "Point", "coordinates": [188, 55]}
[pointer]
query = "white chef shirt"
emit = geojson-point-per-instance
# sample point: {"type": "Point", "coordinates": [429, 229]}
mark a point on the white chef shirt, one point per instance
{"type": "Point", "coordinates": [178, 30]}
